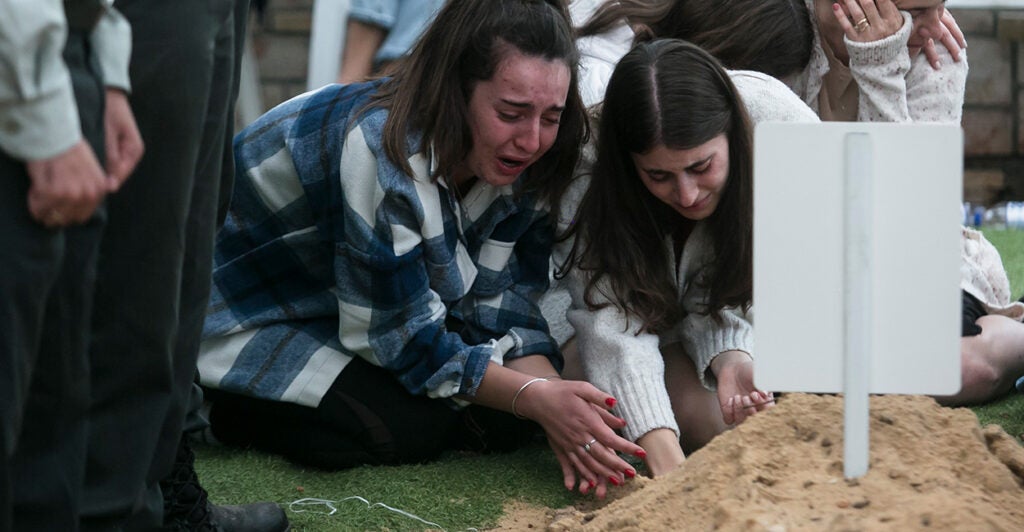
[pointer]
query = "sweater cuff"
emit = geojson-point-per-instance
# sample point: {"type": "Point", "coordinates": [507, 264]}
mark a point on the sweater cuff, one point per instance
{"type": "Point", "coordinates": [718, 342]}
{"type": "Point", "coordinates": [882, 51]}
{"type": "Point", "coordinates": [642, 416]}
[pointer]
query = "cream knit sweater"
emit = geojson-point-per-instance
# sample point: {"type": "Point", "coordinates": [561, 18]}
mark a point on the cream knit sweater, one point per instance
{"type": "Point", "coordinates": [892, 87]}
{"type": "Point", "coordinates": [615, 358]}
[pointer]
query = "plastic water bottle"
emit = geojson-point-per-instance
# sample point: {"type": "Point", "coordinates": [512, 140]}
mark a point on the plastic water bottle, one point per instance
{"type": "Point", "coordinates": [1015, 215]}
{"type": "Point", "coordinates": [996, 216]}
{"type": "Point", "coordinates": [1004, 215]}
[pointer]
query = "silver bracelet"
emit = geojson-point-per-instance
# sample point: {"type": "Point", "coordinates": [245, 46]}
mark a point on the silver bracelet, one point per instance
{"type": "Point", "coordinates": [520, 390]}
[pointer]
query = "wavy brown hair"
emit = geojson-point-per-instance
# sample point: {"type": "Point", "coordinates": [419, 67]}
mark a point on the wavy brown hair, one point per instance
{"type": "Point", "coordinates": [770, 36]}
{"type": "Point", "coordinates": [429, 91]}
{"type": "Point", "coordinates": [672, 93]}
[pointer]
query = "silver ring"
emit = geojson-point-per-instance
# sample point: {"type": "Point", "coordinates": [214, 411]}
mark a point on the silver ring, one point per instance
{"type": "Point", "coordinates": [586, 446]}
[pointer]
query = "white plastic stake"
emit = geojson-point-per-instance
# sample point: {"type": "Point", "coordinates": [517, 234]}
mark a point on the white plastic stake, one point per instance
{"type": "Point", "coordinates": [858, 314]}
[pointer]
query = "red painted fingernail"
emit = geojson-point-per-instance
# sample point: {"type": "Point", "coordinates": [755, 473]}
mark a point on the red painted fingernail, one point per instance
{"type": "Point", "coordinates": [630, 473]}
{"type": "Point", "coordinates": [610, 402]}
{"type": "Point", "coordinates": [614, 480]}
{"type": "Point", "coordinates": [623, 420]}
{"type": "Point", "coordinates": [640, 454]}
{"type": "Point", "coordinates": [592, 483]}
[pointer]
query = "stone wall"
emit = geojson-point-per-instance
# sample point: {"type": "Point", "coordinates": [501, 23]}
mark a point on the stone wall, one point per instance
{"type": "Point", "coordinates": [280, 41]}
{"type": "Point", "coordinates": [994, 104]}
{"type": "Point", "coordinates": [993, 112]}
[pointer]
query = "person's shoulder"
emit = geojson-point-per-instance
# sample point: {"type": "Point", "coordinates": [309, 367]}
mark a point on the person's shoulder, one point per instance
{"type": "Point", "coordinates": [768, 99]}
{"type": "Point", "coordinates": [753, 78]}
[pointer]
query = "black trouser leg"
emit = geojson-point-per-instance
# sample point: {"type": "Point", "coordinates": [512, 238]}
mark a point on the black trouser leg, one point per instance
{"type": "Point", "coordinates": [148, 263]}
{"type": "Point", "coordinates": [47, 280]}
{"type": "Point", "coordinates": [367, 417]}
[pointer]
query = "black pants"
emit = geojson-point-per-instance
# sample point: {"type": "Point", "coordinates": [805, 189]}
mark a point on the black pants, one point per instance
{"type": "Point", "coordinates": [367, 417]}
{"type": "Point", "coordinates": [46, 279]}
{"type": "Point", "coordinates": [156, 254]}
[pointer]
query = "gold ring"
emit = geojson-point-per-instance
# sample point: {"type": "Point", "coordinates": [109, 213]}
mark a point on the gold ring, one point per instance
{"type": "Point", "coordinates": [862, 25]}
{"type": "Point", "coordinates": [586, 446]}
{"type": "Point", "coordinates": [54, 217]}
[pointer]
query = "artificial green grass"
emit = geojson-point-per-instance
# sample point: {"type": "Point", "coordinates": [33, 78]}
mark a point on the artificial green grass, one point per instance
{"type": "Point", "coordinates": [457, 492]}
{"type": "Point", "coordinates": [461, 491]}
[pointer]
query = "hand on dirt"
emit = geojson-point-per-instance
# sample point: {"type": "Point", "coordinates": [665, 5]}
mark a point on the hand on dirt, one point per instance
{"type": "Point", "coordinates": [581, 431]}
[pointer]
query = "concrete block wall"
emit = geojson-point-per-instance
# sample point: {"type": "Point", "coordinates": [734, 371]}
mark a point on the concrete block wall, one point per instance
{"type": "Point", "coordinates": [280, 41]}
{"type": "Point", "coordinates": [994, 104]}
{"type": "Point", "coordinates": [993, 110]}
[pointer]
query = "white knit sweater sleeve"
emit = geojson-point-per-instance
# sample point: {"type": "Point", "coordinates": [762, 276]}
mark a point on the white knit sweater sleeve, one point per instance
{"type": "Point", "coordinates": [615, 358]}
{"type": "Point", "coordinates": [937, 95]}
{"type": "Point", "coordinates": [769, 100]}
{"type": "Point", "coordinates": [880, 69]}
{"type": "Point", "coordinates": [703, 337]}
{"type": "Point", "coordinates": [620, 360]}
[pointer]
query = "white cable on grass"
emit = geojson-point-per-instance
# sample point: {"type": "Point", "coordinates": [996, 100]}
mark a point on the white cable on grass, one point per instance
{"type": "Point", "coordinates": [309, 501]}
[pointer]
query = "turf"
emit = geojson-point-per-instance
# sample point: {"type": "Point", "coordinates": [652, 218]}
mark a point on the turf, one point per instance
{"type": "Point", "coordinates": [457, 492]}
{"type": "Point", "coordinates": [460, 491]}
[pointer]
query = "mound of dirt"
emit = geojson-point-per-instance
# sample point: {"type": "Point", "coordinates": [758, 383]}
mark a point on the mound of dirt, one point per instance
{"type": "Point", "coordinates": [932, 468]}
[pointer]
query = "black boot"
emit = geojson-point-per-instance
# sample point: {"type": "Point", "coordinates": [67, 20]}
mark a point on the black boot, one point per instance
{"type": "Point", "coordinates": [187, 508]}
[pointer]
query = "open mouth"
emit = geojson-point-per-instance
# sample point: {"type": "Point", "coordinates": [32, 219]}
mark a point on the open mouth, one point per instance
{"type": "Point", "coordinates": [511, 165]}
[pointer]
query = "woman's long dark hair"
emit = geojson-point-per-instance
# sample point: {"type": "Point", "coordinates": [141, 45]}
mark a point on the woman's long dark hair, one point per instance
{"type": "Point", "coordinates": [671, 93]}
{"type": "Point", "coordinates": [770, 36]}
{"type": "Point", "coordinates": [429, 91]}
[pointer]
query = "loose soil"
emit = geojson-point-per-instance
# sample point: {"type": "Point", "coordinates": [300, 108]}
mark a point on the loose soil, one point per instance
{"type": "Point", "coordinates": [931, 468]}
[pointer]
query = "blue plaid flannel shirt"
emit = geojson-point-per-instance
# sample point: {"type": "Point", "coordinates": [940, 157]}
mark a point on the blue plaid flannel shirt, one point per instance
{"type": "Point", "coordinates": [330, 251]}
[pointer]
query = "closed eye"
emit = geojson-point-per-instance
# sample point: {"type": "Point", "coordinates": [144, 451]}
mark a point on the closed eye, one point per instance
{"type": "Point", "coordinates": [658, 176]}
{"type": "Point", "coordinates": [701, 168]}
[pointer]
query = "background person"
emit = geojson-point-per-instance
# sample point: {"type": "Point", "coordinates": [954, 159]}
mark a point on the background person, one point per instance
{"type": "Point", "coordinates": [380, 32]}
{"type": "Point", "coordinates": [154, 269]}
{"type": "Point", "coordinates": [867, 65]}
{"type": "Point", "coordinates": [63, 114]}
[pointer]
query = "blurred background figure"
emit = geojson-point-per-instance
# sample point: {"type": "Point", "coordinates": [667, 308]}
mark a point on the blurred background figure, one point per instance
{"type": "Point", "coordinates": [63, 86]}
{"type": "Point", "coordinates": [381, 31]}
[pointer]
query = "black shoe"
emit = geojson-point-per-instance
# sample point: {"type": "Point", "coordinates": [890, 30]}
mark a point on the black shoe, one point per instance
{"type": "Point", "coordinates": [187, 507]}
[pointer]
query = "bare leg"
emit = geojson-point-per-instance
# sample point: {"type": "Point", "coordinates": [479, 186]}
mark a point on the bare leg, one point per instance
{"type": "Point", "coordinates": [697, 410]}
{"type": "Point", "coordinates": [990, 362]}
{"type": "Point", "coordinates": [361, 44]}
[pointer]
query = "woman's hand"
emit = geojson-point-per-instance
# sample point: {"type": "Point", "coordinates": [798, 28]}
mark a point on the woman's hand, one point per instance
{"type": "Point", "coordinates": [737, 395]}
{"type": "Point", "coordinates": [867, 20]}
{"type": "Point", "coordinates": [946, 32]}
{"type": "Point", "coordinates": [663, 451]}
{"type": "Point", "coordinates": [581, 431]}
